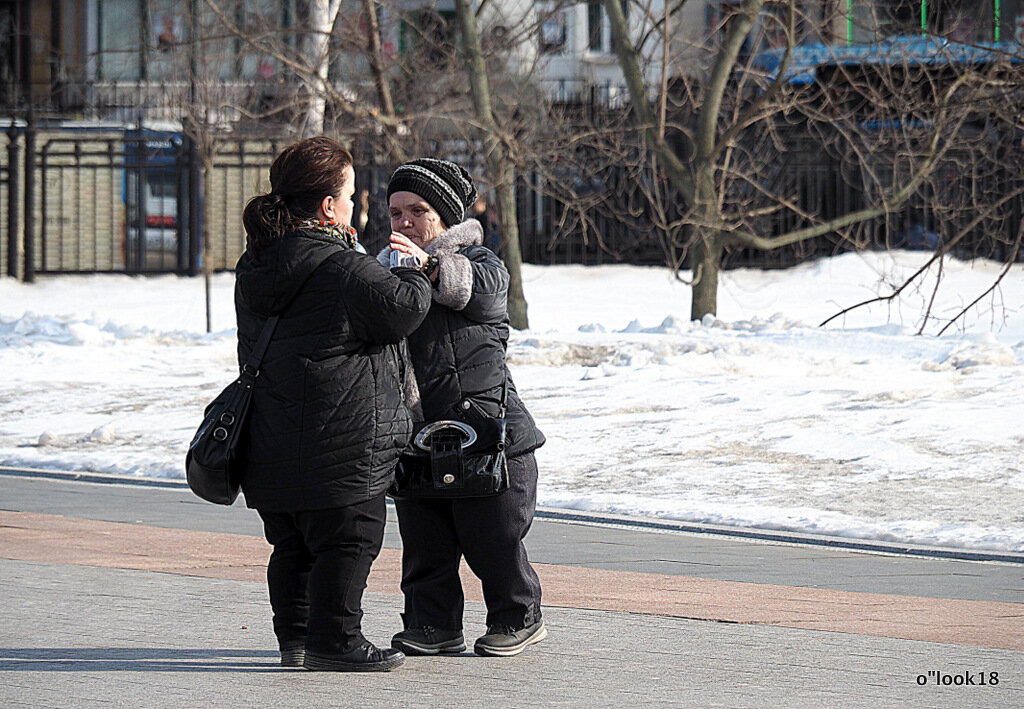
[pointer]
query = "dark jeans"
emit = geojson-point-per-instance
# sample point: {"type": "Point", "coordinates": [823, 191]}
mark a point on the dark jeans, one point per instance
{"type": "Point", "coordinates": [489, 532]}
{"type": "Point", "coordinates": [317, 573]}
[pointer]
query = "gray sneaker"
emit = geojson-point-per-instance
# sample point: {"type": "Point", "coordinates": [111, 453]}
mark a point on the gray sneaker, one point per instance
{"type": "Point", "coordinates": [502, 641]}
{"type": "Point", "coordinates": [428, 641]}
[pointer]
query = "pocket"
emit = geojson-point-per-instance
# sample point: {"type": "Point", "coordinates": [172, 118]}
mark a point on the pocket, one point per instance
{"type": "Point", "coordinates": [470, 408]}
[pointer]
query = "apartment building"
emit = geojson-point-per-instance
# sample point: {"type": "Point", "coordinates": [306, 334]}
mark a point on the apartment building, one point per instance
{"type": "Point", "coordinates": [119, 69]}
{"type": "Point", "coordinates": [123, 57]}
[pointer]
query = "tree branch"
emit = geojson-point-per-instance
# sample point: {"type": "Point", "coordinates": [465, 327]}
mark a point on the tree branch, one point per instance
{"type": "Point", "coordinates": [885, 206]}
{"type": "Point", "coordinates": [646, 117]}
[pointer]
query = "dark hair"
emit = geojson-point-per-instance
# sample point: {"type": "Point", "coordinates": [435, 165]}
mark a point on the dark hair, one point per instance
{"type": "Point", "coordinates": [300, 177]}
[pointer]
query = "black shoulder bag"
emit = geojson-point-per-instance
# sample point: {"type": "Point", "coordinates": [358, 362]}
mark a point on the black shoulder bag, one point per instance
{"type": "Point", "coordinates": [455, 458]}
{"type": "Point", "coordinates": [210, 464]}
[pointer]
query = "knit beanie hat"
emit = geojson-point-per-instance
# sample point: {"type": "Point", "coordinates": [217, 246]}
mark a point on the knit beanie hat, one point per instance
{"type": "Point", "coordinates": [443, 185]}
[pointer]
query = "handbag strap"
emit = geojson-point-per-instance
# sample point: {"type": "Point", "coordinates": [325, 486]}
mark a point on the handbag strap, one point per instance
{"type": "Point", "coordinates": [504, 398]}
{"type": "Point", "coordinates": [252, 365]}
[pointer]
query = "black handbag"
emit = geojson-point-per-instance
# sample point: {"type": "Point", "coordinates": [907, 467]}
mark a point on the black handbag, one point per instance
{"type": "Point", "coordinates": [210, 464]}
{"type": "Point", "coordinates": [455, 458]}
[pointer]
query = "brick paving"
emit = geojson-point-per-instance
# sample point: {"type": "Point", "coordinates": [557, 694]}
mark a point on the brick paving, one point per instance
{"type": "Point", "coordinates": [139, 597]}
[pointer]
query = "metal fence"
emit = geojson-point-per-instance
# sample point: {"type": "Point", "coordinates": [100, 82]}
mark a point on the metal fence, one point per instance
{"type": "Point", "coordinates": [93, 200]}
{"type": "Point", "coordinates": [10, 222]}
{"type": "Point", "coordinates": [818, 186]}
{"type": "Point", "coordinates": [119, 200]}
{"type": "Point", "coordinates": [111, 200]}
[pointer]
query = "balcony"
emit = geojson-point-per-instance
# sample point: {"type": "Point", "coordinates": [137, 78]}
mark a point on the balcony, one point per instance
{"type": "Point", "coordinates": [230, 102]}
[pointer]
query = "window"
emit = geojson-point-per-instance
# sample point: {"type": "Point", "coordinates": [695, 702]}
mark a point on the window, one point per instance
{"type": "Point", "coordinates": [255, 16]}
{"type": "Point", "coordinates": [429, 34]}
{"type": "Point", "coordinates": [958, 20]}
{"type": "Point", "coordinates": [120, 55]}
{"type": "Point", "coordinates": [554, 30]}
{"type": "Point", "coordinates": [150, 39]}
{"type": "Point", "coordinates": [962, 20]}
{"type": "Point", "coordinates": [595, 25]}
{"type": "Point", "coordinates": [599, 31]}
{"type": "Point", "coordinates": [167, 55]}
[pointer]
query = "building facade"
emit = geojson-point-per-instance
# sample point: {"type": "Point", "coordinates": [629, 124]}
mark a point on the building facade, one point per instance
{"type": "Point", "coordinates": [117, 59]}
{"type": "Point", "coordinates": [106, 83]}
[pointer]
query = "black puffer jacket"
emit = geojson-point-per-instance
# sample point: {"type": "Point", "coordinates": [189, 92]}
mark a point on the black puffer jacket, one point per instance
{"type": "Point", "coordinates": [458, 353]}
{"type": "Point", "coordinates": [328, 418]}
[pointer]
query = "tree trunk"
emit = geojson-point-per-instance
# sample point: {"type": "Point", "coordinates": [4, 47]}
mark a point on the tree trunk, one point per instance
{"type": "Point", "coordinates": [501, 169]}
{"type": "Point", "coordinates": [705, 259]}
{"type": "Point", "coordinates": [207, 172]}
{"type": "Point", "coordinates": [322, 15]}
{"type": "Point", "coordinates": [506, 196]}
{"type": "Point", "coordinates": [316, 58]}
{"type": "Point", "coordinates": [374, 56]}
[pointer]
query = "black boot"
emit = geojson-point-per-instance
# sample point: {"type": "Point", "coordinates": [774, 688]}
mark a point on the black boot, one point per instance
{"type": "Point", "coordinates": [293, 653]}
{"type": "Point", "coordinates": [365, 658]}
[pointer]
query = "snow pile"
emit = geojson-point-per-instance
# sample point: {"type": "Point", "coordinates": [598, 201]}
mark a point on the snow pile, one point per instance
{"type": "Point", "coordinates": [756, 417]}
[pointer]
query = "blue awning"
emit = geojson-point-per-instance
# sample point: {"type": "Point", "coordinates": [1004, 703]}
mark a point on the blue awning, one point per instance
{"type": "Point", "coordinates": [806, 58]}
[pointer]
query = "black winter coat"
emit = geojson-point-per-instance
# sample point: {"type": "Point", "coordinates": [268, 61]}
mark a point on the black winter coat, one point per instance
{"type": "Point", "coordinates": [328, 418]}
{"type": "Point", "coordinates": [458, 353]}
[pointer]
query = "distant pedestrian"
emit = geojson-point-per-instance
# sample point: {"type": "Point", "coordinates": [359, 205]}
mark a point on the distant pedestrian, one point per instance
{"type": "Point", "coordinates": [458, 359]}
{"type": "Point", "coordinates": [915, 236]}
{"type": "Point", "coordinates": [328, 418]}
{"type": "Point", "coordinates": [488, 219]}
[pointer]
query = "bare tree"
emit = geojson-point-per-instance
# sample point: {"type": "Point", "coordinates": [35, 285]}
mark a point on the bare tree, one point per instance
{"type": "Point", "coordinates": [214, 106]}
{"type": "Point", "coordinates": [316, 46]}
{"type": "Point", "coordinates": [894, 125]}
{"type": "Point", "coordinates": [500, 167]}
{"type": "Point", "coordinates": [207, 97]}
{"type": "Point", "coordinates": [311, 51]}
{"type": "Point", "coordinates": [435, 95]}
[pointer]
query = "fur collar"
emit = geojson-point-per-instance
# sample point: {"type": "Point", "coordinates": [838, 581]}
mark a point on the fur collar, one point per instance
{"type": "Point", "coordinates": [468, 233]}
{"type": "Point", "coordinates": [454, 285]}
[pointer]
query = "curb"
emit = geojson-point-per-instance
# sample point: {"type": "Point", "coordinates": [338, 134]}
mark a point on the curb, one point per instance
{"type": "Point", "coordinates": [780, 536]}
{"type": "Point", "coordinates": [623, 522]}
{"type": "Point", "coordinates": [101, 478]}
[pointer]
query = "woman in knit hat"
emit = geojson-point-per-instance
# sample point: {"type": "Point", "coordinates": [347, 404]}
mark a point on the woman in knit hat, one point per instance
{"type": "Point", "coordinates": [458, 358]}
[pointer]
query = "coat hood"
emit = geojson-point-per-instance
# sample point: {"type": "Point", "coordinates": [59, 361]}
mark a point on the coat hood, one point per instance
{"type": "Point", "coordinates": [267, 279]}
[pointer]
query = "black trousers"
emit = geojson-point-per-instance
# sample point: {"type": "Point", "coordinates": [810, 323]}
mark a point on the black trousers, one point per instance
{"type": "Point", "coordinates": [317, 573]}
{"type": "Point", "coordinates": [489, 532]}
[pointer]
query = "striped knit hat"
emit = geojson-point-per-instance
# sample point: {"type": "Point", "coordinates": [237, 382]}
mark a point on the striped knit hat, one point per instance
{"type": "Point", "coordinates": [443, 185]}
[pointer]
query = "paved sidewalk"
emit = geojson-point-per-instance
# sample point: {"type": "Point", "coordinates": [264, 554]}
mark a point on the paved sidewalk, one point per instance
{"type": "Point", "coordinates": [145, 597]}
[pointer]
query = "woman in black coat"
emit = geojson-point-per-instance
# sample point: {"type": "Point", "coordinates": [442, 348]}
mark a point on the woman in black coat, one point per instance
{"type": "Point", "coordinates": [458, 357]}
{"type": "Point", "coordinates": [328, 418]}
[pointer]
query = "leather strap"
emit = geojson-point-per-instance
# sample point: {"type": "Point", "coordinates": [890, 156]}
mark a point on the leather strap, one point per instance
{"type": "Point", "coordinates": [252, 365]}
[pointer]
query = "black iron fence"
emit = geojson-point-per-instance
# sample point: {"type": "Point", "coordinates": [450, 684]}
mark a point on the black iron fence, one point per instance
{"type": "Point", "coordinates": [972, 201]}
{"type": "Point", "coordinates": [95, 199]}
{"type": "Point", "coordinates": [9, 203]}
{"type": "Point", "coordinates": [102, 199]}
